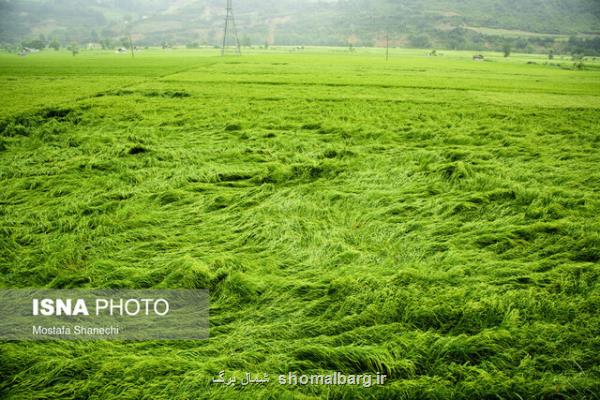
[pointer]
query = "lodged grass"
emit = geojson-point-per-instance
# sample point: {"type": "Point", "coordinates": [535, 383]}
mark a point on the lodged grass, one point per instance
{"type": "Point", "coordinates": [433, 219]}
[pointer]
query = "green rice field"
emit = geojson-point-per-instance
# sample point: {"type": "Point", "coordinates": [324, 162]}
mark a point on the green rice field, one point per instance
{"type": "Point", "coordinates": [433, 219]}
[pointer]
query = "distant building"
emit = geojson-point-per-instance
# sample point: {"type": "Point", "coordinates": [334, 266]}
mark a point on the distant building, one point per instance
{"type": "Point", "coordinates": [26, 50]}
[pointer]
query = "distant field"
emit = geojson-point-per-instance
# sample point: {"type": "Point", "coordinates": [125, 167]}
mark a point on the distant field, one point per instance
{"type": "Point", "coordinates": [435, 219]}
{"type": "Point", "coordinates": [518, 33]}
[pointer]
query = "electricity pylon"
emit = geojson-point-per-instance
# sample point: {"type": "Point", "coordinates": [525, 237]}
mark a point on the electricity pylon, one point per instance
{"type": "Point", "coordinates": [230, 31]}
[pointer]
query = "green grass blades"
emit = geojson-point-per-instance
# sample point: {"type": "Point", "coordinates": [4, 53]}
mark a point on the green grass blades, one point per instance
{"type": "Point", "coordinates": [434, 219]}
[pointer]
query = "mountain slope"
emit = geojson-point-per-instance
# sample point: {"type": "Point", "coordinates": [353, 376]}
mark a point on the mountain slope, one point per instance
{"type": "Point", "coordinates": [287, 21]}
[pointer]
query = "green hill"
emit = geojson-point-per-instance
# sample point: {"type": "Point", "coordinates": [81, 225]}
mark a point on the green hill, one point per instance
{"type": "Point", "coordinates": [297, 22]}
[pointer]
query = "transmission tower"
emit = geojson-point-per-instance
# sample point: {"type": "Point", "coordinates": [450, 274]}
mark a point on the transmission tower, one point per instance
{"type": "Point", "coordinates": [230, 31]}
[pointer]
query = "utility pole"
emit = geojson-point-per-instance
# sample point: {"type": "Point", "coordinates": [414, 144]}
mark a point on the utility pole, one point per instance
{"type": "Point", "coordinates": [130, 44]}
{"type": "Point", "coordinates": [230, 30]}
{"type": "Point", "coordinates": [128, 31]}
{"type": "Point", "coordinates": [387, 46]}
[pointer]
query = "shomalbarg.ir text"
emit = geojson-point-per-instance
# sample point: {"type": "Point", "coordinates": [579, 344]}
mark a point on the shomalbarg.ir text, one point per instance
{"type": "Point", "coordinates": [295, 379]}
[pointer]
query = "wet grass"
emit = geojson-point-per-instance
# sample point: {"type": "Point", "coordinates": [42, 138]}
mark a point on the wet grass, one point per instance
{"type": "Point", "coordinates": [434, 219]}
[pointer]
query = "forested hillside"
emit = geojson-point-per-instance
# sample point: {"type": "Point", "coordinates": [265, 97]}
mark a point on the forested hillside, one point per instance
{"type": "Point", "coordinates": [417, 23]}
